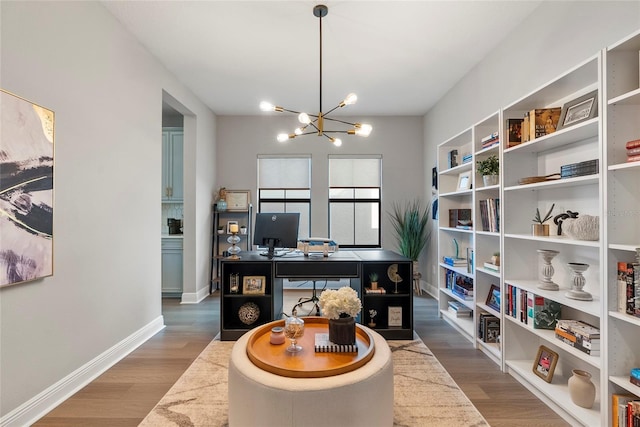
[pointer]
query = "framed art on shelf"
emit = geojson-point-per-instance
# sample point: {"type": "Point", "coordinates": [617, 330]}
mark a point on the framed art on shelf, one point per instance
{"type": "Point", "coordinates": [579, 110]}
{"type": "Point", "coordinates": [395, 317]}
{"type": "Point", "coordinates": [238, 200]}
{"type": "Point", "coordinates": [493, 298]}
{"type": "Point", "coordinates": [253, 285]}
{"type": "Point", "coordinates": [545, 363]}
{"type": "Point", "coordinates": [464, 181]}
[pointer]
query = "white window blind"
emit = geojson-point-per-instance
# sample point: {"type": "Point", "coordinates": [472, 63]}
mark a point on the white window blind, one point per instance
{"type": "Point", "coordinates": [284, 172]}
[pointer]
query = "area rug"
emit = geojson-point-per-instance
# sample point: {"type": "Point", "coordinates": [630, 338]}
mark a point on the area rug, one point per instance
{"type": "Point", "coordinates": [424, 393]}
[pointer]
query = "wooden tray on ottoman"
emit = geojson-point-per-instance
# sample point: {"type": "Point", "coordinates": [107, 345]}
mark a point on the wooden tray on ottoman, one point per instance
{"type": "Point", "coordinates": [307, 363]}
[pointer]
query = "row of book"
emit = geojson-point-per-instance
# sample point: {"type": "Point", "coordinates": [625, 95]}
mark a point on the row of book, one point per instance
{"type": "Point", "coordinates": [466, 158]}
{"type": "Point", "coordinates": [490, 140]}
{"type": "Point", "coordinates": [588, 167]}
{"type": "Point", "coordinates": [490, 214]}
{"type": "Point", "coordinates": [488, 328]}
{"type": "Point", "coordinates": [579, 335]}
{"type": "Point", "coordinates": [458, 309]}
{"type": "Point", "coordinates": [629, 288]}
{"type": "Point", "coordinates": [625, 410]}
{"type": "Point", "coordinates": [533, 310]}
{"type": "Point", "coordinates": [633, 150]}
{"type": "Point", "coordinates": [460, 285]}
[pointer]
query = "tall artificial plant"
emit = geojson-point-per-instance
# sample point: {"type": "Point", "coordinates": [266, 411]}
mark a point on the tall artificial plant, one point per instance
{"type": "Point", "coordinates": [409, 222]}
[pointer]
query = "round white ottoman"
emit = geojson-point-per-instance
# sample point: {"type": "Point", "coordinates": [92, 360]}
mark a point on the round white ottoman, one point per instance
{"type": "Point", "coordinates": [363, 397]}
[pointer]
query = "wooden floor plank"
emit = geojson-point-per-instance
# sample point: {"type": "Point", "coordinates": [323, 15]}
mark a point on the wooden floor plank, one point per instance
{"type": "Point", "coordinates": [123, 395]}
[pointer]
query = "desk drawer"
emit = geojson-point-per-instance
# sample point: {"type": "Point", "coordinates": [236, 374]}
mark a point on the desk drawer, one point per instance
{"type": "Point", "coordinates": [317, 269]}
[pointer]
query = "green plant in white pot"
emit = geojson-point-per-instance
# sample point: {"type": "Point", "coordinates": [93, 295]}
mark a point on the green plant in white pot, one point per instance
{"type": "Point", "coordinates": [489, 168]}
{"type": "Point", "coordinates": [410, 224]}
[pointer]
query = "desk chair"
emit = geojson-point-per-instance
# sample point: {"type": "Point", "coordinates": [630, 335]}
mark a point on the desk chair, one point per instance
{"type": "Point", "coordinates": [314, 299]}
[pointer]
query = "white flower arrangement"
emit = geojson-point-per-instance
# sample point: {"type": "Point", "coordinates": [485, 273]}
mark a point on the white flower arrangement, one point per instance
{"type": "Point", "coordinates": [343, 301]}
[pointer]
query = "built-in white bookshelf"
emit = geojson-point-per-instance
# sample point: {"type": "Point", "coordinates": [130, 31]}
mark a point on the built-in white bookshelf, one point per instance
{"type": "Point", "coordinates": [612, 194]}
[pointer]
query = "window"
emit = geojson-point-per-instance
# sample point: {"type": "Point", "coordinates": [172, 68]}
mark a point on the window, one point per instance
{"type": "Point", "coordinates": [354, 200]}
{"type": "Point", "coordinates": [284, 185]}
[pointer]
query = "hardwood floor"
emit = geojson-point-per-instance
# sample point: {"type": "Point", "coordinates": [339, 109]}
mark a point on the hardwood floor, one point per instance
{"type": "Point", "coordinates": [126, 393]}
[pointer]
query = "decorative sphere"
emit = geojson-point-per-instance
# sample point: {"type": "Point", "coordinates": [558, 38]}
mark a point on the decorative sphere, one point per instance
{"type": "Point", "coordinates": [249, 313]}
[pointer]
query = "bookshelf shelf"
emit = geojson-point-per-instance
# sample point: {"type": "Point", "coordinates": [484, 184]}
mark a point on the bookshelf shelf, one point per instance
{"type": "Point", "coordinates": [555, 393]}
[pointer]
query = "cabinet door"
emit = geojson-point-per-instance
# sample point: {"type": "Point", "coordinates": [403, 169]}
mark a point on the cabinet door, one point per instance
{"type": "Point", "coordinates": [172, 266]}
{"type": "Point", "coordinates": [176, 169]}
{"type": "Point", "coordinates": [166, 184]}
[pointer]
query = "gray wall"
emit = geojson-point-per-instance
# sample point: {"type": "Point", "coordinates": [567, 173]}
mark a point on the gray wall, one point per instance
{"type": "Point", "coordinates": [106, 91]}
{"type": "Point", "coordinates": [555, 38]}
{"type": "Point", "coordinates": [397, 139]}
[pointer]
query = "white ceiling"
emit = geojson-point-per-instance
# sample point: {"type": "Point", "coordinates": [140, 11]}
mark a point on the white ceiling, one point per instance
{"type": "Point", "coordinates": [400, 57]}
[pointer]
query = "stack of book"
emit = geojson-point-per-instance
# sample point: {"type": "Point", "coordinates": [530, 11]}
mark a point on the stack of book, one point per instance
{"type": "Point", "coordinates": [375, 291]}
{"type": "Point", "coordinates": [490, 140]}
{"type": "Point", "coordinates": [629, 288]}
{"type": "Point", "coordinates": [540, 122]}
{"type": "Point", "coordinates": [459, 310]}
{"type": "Point", "coordinates": [454, 261]}
{"type": "Point", "coordinates": [634, 377]}
{"type": "Point", "coordinates": [490, 214]}
{"type": "Point", "coordinates": [579, 335]}
{"type": "Point", "coordinates": [488, 328]}
{"type": "Point", "coordinates": [466, 158]}
{"type": "Point", "coordinates": [633, 150]}
{"type": "Point", "coordinates": [588, 167]}
{"type": "Point", "coordinates": [492, 267]}
{"type": "Point", "coordinates": [625, 410]}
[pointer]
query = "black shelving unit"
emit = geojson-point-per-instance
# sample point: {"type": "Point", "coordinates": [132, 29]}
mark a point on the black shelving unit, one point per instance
{"type": "Point", "coordinates": [219, 244]}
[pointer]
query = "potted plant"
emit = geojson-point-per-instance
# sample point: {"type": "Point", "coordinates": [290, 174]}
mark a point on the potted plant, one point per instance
{"type": "Point", "coordinates": [539, 227]}
{"type": "Point", "coordinates": [243, 229]}
{"type": "Point", "coordinates": [221, 229]}
{"type": "Point", "coordinates": [410, 225]}
{"type": "Point", "coordinates": [489, 168]}
{"type": "Point", "coordinates": [341, 307]}
{"type": "Point", "coordinates": [373, 277]}
{"type": "Point", "coordinates": [495, 259]}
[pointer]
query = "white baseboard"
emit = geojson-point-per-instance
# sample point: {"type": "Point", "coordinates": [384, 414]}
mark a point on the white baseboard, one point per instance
{"type": "Point", "coordinates": [429, 288]}
{"type": "Point", "coordinates": [44, 402]}
{"type": "Point", "coordinates": [194, 298]}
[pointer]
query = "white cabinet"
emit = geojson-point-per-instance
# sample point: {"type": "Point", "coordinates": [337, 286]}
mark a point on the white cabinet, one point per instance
{"type": "Point", "coordinates": [622, 189]}
{"type": "Point", "coordinates": [461, 230]}
{"type": "Point", "coordinates": [172, 169]}
{"type": "Point", "coordinates": [521, 262]}
{"type": "Point", "coordinates": [172, 266]}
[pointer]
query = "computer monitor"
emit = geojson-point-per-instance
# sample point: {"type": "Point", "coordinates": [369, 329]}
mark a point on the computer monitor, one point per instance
{"type": "Point", "coordinates": [276, 230]}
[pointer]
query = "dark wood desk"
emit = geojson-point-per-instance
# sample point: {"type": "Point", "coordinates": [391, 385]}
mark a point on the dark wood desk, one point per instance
{"type": "Point", "coordinates": [353, 265]}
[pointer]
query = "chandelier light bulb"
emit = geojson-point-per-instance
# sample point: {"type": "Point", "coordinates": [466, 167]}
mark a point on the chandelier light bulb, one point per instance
{"type": "Point", "coordinates": [351, 99]}
{"type": "Point", "coordinates": [336, 141]}
{"type": "Point", "coordinates": [267, 106]}
{"type": "Point", "coordinates": [304, 118]}
{"type": "Point", "coordinates": [298, 131]}
{"type": "Point", "coordinates": [363, 129]}
{"type": "Point", "coordinates": [282, 137]}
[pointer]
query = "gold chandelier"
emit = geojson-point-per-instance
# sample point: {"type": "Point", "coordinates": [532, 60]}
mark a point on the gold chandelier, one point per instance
{"type": "Point", "coordinates": [314, 123]}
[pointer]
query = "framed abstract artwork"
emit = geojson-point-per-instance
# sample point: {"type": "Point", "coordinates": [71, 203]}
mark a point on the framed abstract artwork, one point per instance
{"type": "Point", "coordinates": [26, 190]}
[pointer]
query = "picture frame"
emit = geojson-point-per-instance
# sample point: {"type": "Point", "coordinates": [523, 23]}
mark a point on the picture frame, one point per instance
{"type": "Point", "coordinates": [238, 200]}
{"type": "Point", "coordinates": [493, 298]}
{"type": "Point", "coordinates": [580, 109]}
{"type": "Point", "coordinates": [229, 226]}
{"type": "Point", "coordinates": [464, 181]}
{"type": "Point", "coordinates": [434, 177]}
{"type": "Point", "coordinates": [394, 319]}
{"type": "Point", "coordinates": [545, 363]}
{"type": "Point", "coordinates": [254, 285]}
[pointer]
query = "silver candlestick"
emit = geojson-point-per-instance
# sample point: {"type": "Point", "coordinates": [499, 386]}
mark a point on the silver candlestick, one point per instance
{"type": "Point", "coordinates": [547, 270]}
